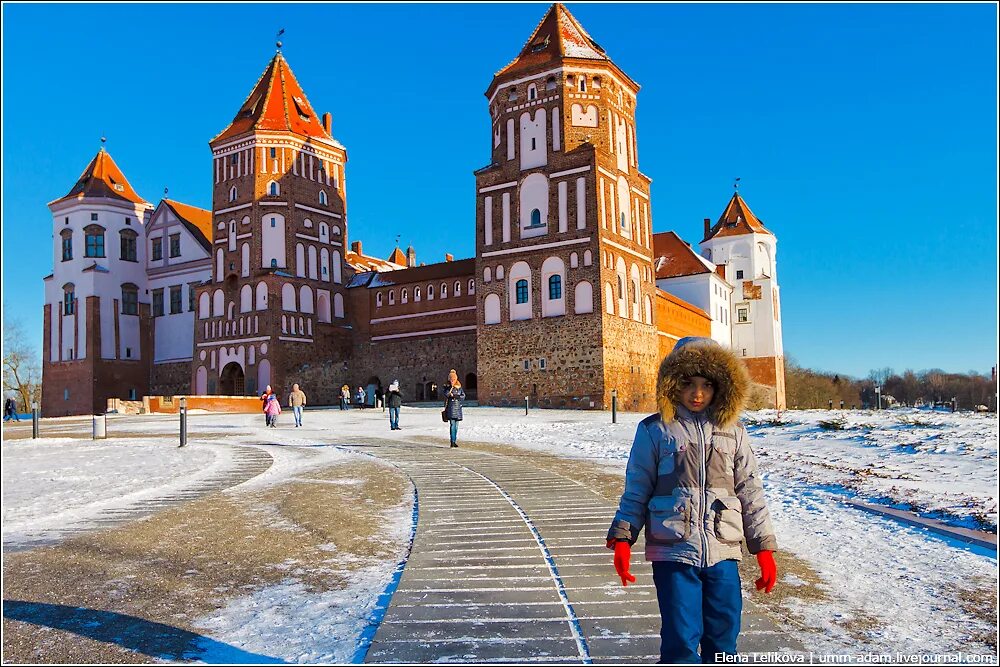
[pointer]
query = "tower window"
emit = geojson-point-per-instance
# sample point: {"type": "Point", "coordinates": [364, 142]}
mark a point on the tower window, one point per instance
{"type": "Point", "coordinates": [533, 143]}
{"type": "Point", "coordinates": [550, 83]}
{"type": "Point", "coordinates": [128, 221]}
{"type": "Point", "coordinates": [128, 245]}
{"type": "Point", "coordinates": [93, 217]}
{"type": "Point", "coordinates": [512, 95]}
{"type": "Point", "coordinates": [583, 84]}
{"type": "Point", "coordinates": [158, 303]}
{"type": "Point", "coordinates": [322, 197]}
{"type": "Point", "coordinates": [274, 152]}
{"type": "Point", "coordinates": [191, 297]}
{"type": "Point", "coordinates": [532, 92]}
{"type": "Point", "coordinates": [94, 241]}
{"type": "Point", "coordinates": [272, 188]}
{"type": "Point", "coordinates": [742, 316]}
{"type": "Point", "coordinates": [232, 194]}
{"type": "Point", "coordinates": [739, 275]}
{"type": "Point", "coordinates": [522, 291]}
{"type": "Point", "coordinates": [69, 299]}
{"type": "Point", "coordinates": [175, 299]}
{"type": "Point", "coordinates": [541, 364]}
{"type": "Point", "coordinates": [274, 263]}
{"type": "Point", "coordinates": [67, 245]}
{"type": "Point", "coordinates": [130, 300]}
{"type": "Point", "coordinates": [536, 217]}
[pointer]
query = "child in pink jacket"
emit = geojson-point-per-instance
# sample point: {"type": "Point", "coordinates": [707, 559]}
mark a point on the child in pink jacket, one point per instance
{"type": "Point", "coordinates": [272, 409]}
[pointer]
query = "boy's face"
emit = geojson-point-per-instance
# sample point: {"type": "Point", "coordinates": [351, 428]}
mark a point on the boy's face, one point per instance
{"type": "Point", "coordinates": [697, 393]}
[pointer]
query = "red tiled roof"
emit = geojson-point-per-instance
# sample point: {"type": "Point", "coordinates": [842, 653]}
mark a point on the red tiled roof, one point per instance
{"type": "Point", "coordinates": [736, 220]}
{"type": "Point", "coordinates": [103, 178]}
{"type": "Point", "coordinates": [398, 257]}
{"type": "Point", "coordinates": [277, 102]}
{"type": "Point", "coordinates": [198, 221]}
{"type": "Point", "coordinates": [368, 263]}
{"type": "Point", "coordinates": [672, 257]}
{"type": "Point", "coordinates": [558, 35]}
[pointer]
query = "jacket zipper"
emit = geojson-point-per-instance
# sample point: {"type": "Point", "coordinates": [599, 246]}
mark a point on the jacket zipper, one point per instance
{"type": "Point", "coordinates": [704, 496]}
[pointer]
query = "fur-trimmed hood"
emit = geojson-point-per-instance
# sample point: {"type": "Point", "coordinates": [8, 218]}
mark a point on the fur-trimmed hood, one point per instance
{"type": "Point", "coordinates": [704, 357]}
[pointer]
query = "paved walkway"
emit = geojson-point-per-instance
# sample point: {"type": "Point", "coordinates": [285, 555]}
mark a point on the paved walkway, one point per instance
{"type": "Point", "coordinates": [509, 565]}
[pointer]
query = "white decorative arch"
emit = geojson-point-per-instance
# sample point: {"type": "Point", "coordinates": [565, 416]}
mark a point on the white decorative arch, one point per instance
{"type": "Point", "coordinates": [487, 275]}
{"type": "Point", "coordinates": [636, 285]}
{"type": "Point", "coordinates": [260, 303]}
{"type": "Point", "coordinates": [245, 260]}
{"type": "Point", "coordinates": [534, 196]}
{"type": "Point", "coordinates": [323, 306]}
{"type": "Point", "coordinates": [519, 311]}
{"type": "Point", "coordinates": [623, 224]}
{"type": "Point", "coordinates": [305, 299]}
{"type": "Point", "coordinates": [288, 297]}
{"type": "Point", "coordinates": [300, 260]}
{"type": "Point", "coordinates": [621, 275]}
{"type": "Point", "coordinates": [273, 241]}
{"type": "Point", "coordinates": [491, 309]}
{"type": "Point", "coordinates": [218, 303]}
{"type": "Point", "coordinates": [583, 298]}
{"type": "Point", "coordinates": [201, 381]}
{"type": "Point", "coordinates": [324, 264]}
{"type": "Point", "coordinates": [324, 232]}
{"type": "Point", "coordinates": [204, 306]}
{"type": "Point", "coordinates": [263, 374]}
{"type": "Point", "coordinates": [472, 285]}
{"type": "Point", "coordinates": [648, 309]}
{"type": "Point", "coordinates": [338, 305]}
{"type": "Point", "coordinates": [553, 271]}
{"type": "Point", "coordinates": [499, 272]}
{"type": "Point", "coordinates": [574, 260]}
{"type": "Point", "coordinates": [458, 288]}
{"type": "Point", "coordinates": [581, 117]}
{"type": "Point", "coordinates": [609, 299]}
{"type": "Point", "coordinates": [335, 261]}
{"type": "Point", "coordinates": [219, 266]}
{"type": "Point", "coordinates": [533, 144]}
{"type": "Point", "coordinates": [313, 271]}
{"type": "Point", "coordinates": [246, 299]}
{"type": "Point", "coordinates": [378, 299]}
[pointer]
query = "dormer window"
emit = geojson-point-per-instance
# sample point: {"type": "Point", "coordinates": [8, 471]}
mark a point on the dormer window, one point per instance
{"type": "Point", "coordinates": [301, 107]}
{"type": "Point", "coordinates": [540, 45]}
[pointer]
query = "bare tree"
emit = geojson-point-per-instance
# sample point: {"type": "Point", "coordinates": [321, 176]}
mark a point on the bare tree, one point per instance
{"type": "Point", "coordinates": [22, 372]}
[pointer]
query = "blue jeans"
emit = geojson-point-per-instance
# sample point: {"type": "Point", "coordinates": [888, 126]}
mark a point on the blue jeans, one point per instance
{"type": "Point", "coordinates": [453, 430]}
{"type": "Point", "coordinates": [697, 605]}
{"type": "Point", "coordinates": [394, 418]}
{"type": "Point", "coordinates": [297, 411]}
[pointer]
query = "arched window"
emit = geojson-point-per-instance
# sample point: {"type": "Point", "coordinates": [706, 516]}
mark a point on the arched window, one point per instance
{"type": "Point", "coordinates": [487, 275]}
{"type": "Point", "coordinates": [532, 92]}
{"type": "Point", "coordinates": [322, 197]}
{"type": "Point", "coordinates": [512, 95]}
{"type": "Point", "coordinates": [536, 217]}
{"type": "Point", "coordinates": [378, 299]}
{"type": "Point", "coordinates": [305, 299]}
{"type": "Point", "coordinates": [288, 297]}
{"type": "Point", "coordinates": [458, 288]}
{"type": "Point", "coordinates": [583, 83]}
{"type": "Point", "coordinates": [588, 258]}
{"type": "Point", "coordinates": [472, 285]}
{"type": "Point", "coordinates": [522, 291]}
{"type": "Point", "coordinates": [130, 299]}
{"type": "Point", "coordinates": [392, 297]}
{"type": "Point", "coordinates": [260, 302]}
{"type": "Point", "coordinates": [69, 299]}
{"type": "Point", "coordinates": [444, 291]}
{"type": "Point", "coordinates": [555, 287]}
{"type": "Point", "coordinates": [300, 260]}
{"type": "Point", "coordinates": [273, 189]}
{"type": "Point", "coordinates": [430, 292]}
{"type": "Point", "coordinates": [574, 260]}
{"type": "Point", "coordinates": [404, 295]}
{"type": "Point", "coordinates": [232, 193]}
{"type": "Point", "coordinates": [67, 244]}
{"type": "Point", "coordinates": [93, 241]}
{"type": "Point", "coordinates": [583, 298]}
{"type": "Point", "coordinates": [324, 232]}
{"type": "Point", "coordinates": [129, 248]}
{"type": "Point", "coordinates": [609, 299]}
{"type": "Point", "coordinates": [204, 306]}
{"type": "Point", "coordinates": [338, 305]}
{"type": "Point", "coordinates": [500, 272]}
{"type": "Point", "coordinates": [416, 293]}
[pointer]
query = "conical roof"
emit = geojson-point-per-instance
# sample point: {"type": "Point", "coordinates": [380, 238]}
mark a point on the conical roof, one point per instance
{"type": "Point", "coordinates": [103, 178]}
{"type": "Point", "coordinates": [736, 220]}
{"type": "Point", "coordinates": [277, 102]}
{"type": "Point", "coordinates": [558, 35]}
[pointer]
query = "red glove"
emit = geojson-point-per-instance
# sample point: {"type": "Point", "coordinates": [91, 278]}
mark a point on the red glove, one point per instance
{"type": "Point", "coordinates": [768, 571]}
{"type": "Point", "coordinates": [623, 552]}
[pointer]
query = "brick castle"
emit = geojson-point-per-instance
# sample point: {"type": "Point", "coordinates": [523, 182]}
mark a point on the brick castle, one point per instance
{"type": "Point", "coordinates": [570, 295]}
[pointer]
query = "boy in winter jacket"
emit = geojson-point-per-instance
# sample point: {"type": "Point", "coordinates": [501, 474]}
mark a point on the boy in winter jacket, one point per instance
{"type": "Point", "coordinates": [272, 408]}
{"type": "Point", "coordinates": [692, 482]}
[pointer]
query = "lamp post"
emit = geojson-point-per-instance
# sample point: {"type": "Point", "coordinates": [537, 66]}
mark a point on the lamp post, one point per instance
{"type": "Point", "coordinates": [878, 397]}
{"type": "Point", "coordinates": [525, 406]}
{"type": "Point", "coordinates": [34, 420]}
{"type": "Point", "coordinates": [184, 421]}
{"type": "Point", "coordinates": [614, 406]}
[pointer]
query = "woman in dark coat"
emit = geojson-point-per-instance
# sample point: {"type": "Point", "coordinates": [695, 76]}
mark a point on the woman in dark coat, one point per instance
{"type": "Point", "coordinates": [454, 396]}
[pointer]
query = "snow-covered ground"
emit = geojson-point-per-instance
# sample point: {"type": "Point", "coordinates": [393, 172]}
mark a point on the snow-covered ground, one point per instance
{"type": "Point", "coordinates": [898, 580]}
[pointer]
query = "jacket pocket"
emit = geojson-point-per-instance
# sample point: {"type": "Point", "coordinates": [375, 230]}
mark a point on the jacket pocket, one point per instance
{"type": "Point", "coordinates": [669, 519]}
{"type": "Point", "coordinates": [728, 520]}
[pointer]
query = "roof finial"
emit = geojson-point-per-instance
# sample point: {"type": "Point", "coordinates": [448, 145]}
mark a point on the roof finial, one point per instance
{"type": "Point", "coordinates": [736, 185]}
{"type": "Point", "coordinates": [104, 140]}
{"type": "Point", "coordinates": [278, 43]}
{"type": "Point", "coordinates": [165, 191]}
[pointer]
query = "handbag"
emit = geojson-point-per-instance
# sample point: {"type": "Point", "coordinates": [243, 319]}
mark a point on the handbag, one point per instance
{"type": "Point", "coordinates": [444, 415]}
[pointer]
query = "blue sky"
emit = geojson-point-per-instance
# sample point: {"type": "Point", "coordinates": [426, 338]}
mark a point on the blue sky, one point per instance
{"type": "Point", "coordinates": [864, 135]}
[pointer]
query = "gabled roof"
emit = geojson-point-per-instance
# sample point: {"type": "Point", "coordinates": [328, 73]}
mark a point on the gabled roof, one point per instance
{"type": "Point", "coordinates": [736, 220]}
{"type": "Point", "coordinates": [558, 35]}
{"type": "Point", "coordinates": [277, 102]}
{"type": "Point", "coordinates": [198, 221]}
{"type": "Point", "coordinates": [673, 257]}
{"type": "Point", "coordinates": [368, 263]}
{"type": "Point", "coordinates": [103, 178]}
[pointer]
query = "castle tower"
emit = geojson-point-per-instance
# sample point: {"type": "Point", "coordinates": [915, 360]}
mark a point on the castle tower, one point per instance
{"type": "Point", "coordinates": [563, 244]}
{"type": "Point", "coordinates": [740, 242]}
{"type": "Point", "coordinates": [276, 298]}
{"type": "Point", "coordinates": [96, 342]}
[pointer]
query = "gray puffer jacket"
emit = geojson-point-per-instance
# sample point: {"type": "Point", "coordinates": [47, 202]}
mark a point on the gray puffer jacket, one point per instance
{"type": "Point", "coordinates": [691, 478]}
{"type": "Point", "coordinates": [453, 402]}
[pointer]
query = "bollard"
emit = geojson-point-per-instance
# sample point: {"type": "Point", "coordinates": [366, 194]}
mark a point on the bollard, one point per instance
{"type": "Point", "coordinates": [525, 406]}
{"type": "Point", "coordinates": [34, 420]}
{"type": "Point", "coordinates": [841, 405]}
{"type": "Point", "coordinates": [184, 421]}
{"type": "Point", "coordinates": [100, 425]}
{"type": "Point", "coordinates": [831, 404]}
{"type": "Point", "coordinates": [614, 406]}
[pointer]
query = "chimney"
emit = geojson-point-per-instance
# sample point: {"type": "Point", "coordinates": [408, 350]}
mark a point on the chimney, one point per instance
{"type": "Point", "coordinates": [356, 248]}
{"type": "Point", "coordinates": [708, 226]}
{"type": "Point", "coordinates": [327, 121]}
{"type": "Point", "coordinates": [448, 257]}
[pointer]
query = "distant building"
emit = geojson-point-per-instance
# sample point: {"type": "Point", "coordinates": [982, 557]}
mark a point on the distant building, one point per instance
{"type": "Point", "coordinates": [569, 298]}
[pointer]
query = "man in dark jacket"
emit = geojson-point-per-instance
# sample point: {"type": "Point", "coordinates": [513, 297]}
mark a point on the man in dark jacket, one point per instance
{"type": "Point", "coordinates": [395, 401]}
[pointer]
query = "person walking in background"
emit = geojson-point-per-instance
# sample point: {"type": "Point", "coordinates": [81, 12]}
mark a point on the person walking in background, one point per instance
{"type": "Point", "coordinates": [360, 397]}
{"type": "Point", "coordinates": [692, 481]}
{"type": "Point", "coordinates": [263, 404]}
{"type": "Point", "coordinates": [454, 396]}
{"type": "Point", "coordinates": [395, 401]}
{"type": "Point", "coordinates": [345, 397]}
{"type": "Point", "coordinates": [297, 400]}
{"type": "Point", "coordinates": [272, 408]}
{"type": "Point", "coordinates": [10, 410]}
